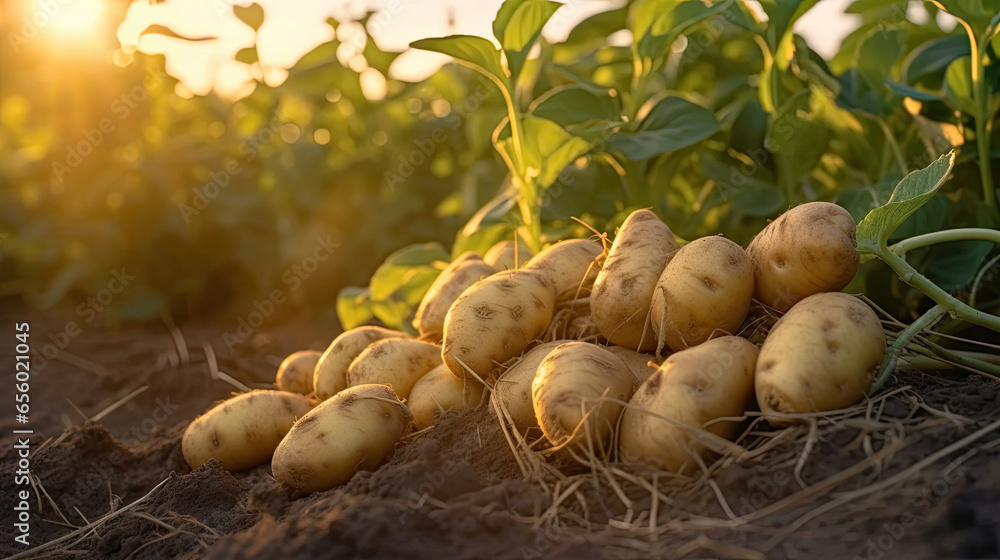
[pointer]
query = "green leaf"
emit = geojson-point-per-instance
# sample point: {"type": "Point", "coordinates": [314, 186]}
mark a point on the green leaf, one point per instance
{"type": "Point", "coordinates": [403, 267]}
{"type": "Point", "coordinates": [674, 22]}
{"type": "Point", "coordinates": [354, 307]}
{"type": "Point", "coordinates": [393, 314]}
{"type": "Point", "coordinates": [674, 123]}
{"type": "Point", "coordinates": [954, 265]}
{"type": "Point", "coordinates": [480, 239]}
{"type": "Point", "coordinates": [958, 85]}
{"type": "Point", "coordinates": [877, 53]}
{"type": "Point", "coordinates": [933, 58]}
{"type": "Point", "coordinates": [910, 194]}
{"type": "Point", "coordinates": [657, 24]}
{"type": "Point", "coordinates": [252, 15]}
{"type": "Point", "coordinates": [247, 55]}
{"type": "Point", "coordinates": [798, 135]}
{"type": "Point", "coordinates": [572, 104]}
{"type": "Point", "coordinates": [504, 15]}
{"type": "Point", "coordinates": [907, 91]}
{"type": "Point", "coordinates": [157, 29]}
{"type": "Point", "coordinates": [782, 15]}
{"type": "Point", "coordinates": [547, 149]}
{"type": "Point", "coordinates": [475, 52]}
{"type": "Point", "coordinates": [523, 29]}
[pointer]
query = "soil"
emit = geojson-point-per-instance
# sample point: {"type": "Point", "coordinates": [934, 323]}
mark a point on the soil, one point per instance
{"type": "Point", "coordinates": [457, 490]}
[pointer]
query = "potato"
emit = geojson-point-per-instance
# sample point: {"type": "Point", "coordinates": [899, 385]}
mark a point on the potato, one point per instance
{"type": "Point", "coordinates": [571, 265]}
{"type": "Point", "coordinates": [821, 355]}
{"type": "Point", "coordinates": [355, 430]}
{"type": "Point", "coordinates": [398, 363]}
{"type": "Point", "coordinates": [693, 387]}
{"type": "Point", "coordinates": [243, 431]}
{"type": "Point", "coordinates": [583, 328]}
{"type": "Point", "coordinates": [502, 256]}
{"type": "Point", "coordinates": [295, 374]}
{"type": "Point", "coordinates": [513, 387]}
{"type": "Point", "coordinates": [569, 385]}
{"type": "Point", "coordinates": [331, 371]}
{"type": "Point", "coordinates": [495, 320]}
{"type": "Point", "coordinates": [439, 391]}
{"type": "Point", "coordinates": [638, 364]}
{"type": "Point", "coordinates": [463, 272]}
{"type": "Point", "coordinates": [704, 291]}
{"type": "Point", "coordinates": [619, 301]}
{"type": "Point", "coordinates": [809, 249]}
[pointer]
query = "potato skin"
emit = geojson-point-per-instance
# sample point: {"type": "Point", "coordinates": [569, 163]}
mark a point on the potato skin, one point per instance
{"type": "Point", "coordinates": [706, 288]}
{"type": "Point", "coordinates": [296, 372]}
{"type": "Point", "coordinates": [513, 387]}
{"type": "Point", "coordinates": [821, 355]}
{"type": "Point", "coordinates": [569, 383]}
{"type": "Point", "coordinates": [495, 320]}
{"type": "Point", "coordinates": [463, 272]}
{"type": "Point", "coordinates": [331, 372]}
{"type": "Point", "coordinates": [502, 256]}
{"type": "Point", "coordinates": [243, 431]}
{"type": "Point", "coordinates": [355, 430]}
{"type": "Point", "coordinates": [694, 386]}
{"type": "Point", "coordinates": [571, 265]}
{"type": "Point", "coordinates": [809, 249]}
{"type": "Point", "coordinates": [619, 301]}
{"type": "Point", "coordinates": [638, 364]}
{"type": "Point", "coordinates": [398, 363]}
{"type": "Point", "coordinates": [440, 390]}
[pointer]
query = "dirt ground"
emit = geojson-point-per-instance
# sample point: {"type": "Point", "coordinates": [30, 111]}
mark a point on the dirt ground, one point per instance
{"type": "Point", "coordinates": [913, 474]}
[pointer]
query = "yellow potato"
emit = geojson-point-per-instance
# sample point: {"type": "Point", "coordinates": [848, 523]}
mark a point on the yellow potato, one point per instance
{"type": "Point", "coordinates": [331, 372]}
{"type": "Point", "coordinates": [640, 365]}
{"type": "Point", "coordinates": [396, 362]}
{"type": "Point", "coordinates": [355, 430]}
{"type": "Point", "coordinates": [495, 320]}
{"type": "Point", "coordinates": [619, 301]}
{"type": "Point", "coordinates": [567, 395]}
{"type": "Point", "coordinates": [571, 265]}
{"type": "Point", "coordinates": [704, 291]}
{"type": "Point", "coordinates": [440, 391]}
{"type": "Point", "coordinates": [513, 387]}
{"type": "Point", "coordinates": [821, 355]}
{"type": "Point", "coordinates": [692, 388]}
{"type": "Point", "coordinates": [295, 374]}
{"type": "Point", "coordinates": [243, 431]}
{"type": "Point", "coordinates": [809, 249]}
{"type": "Point", "coordinates": [463, 272]}
{"type": "Point", "coordinates": [503, 256]}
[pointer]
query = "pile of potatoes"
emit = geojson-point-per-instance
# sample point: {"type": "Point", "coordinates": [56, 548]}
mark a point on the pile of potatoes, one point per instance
{"type": "Point", "coordinates": [641, 353]}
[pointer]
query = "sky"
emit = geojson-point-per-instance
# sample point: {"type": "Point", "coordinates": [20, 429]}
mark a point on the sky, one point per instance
{"type": "Point", "coordinates": [293, 27]}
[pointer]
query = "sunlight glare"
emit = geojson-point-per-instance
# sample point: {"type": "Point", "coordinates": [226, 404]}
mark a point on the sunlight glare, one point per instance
{"type": "Point", "coordinates": [73, 19]}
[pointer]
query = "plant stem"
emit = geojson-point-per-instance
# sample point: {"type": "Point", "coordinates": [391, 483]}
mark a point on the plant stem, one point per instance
{"type": "Point", "coordinates": [927, 363]}
{"type": "Point", "coordinates": [896, 348]}
{"type": "Point", "coordinates": [960, 234]}
{"type": "Point", "coordinates": [984, 124]}
{"type": "Point", "coordinates": [957, 308]}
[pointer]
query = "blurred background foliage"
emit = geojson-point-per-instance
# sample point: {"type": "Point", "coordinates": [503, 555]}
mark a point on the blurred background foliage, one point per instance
{"type": "Point", "coordinates": [406, 178]}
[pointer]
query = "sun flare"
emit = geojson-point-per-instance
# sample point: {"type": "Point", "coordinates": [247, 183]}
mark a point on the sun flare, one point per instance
{"type": "Point", "coordinates": [69, 19]}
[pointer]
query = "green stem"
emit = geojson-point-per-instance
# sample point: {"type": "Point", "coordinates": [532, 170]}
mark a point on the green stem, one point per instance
{"type": "Point", "coordinates": [960, 310]}
{"type": "Point", "coordinates": [928, 363]}
{"type": "Point", "coordinates": [984, 124]}
{"type": "Point", "coordinates": [904, 338]}
{"type": "Point", "coordinates": [960, 234]}
{"type": "Point", "coordinates": [969, 362]}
